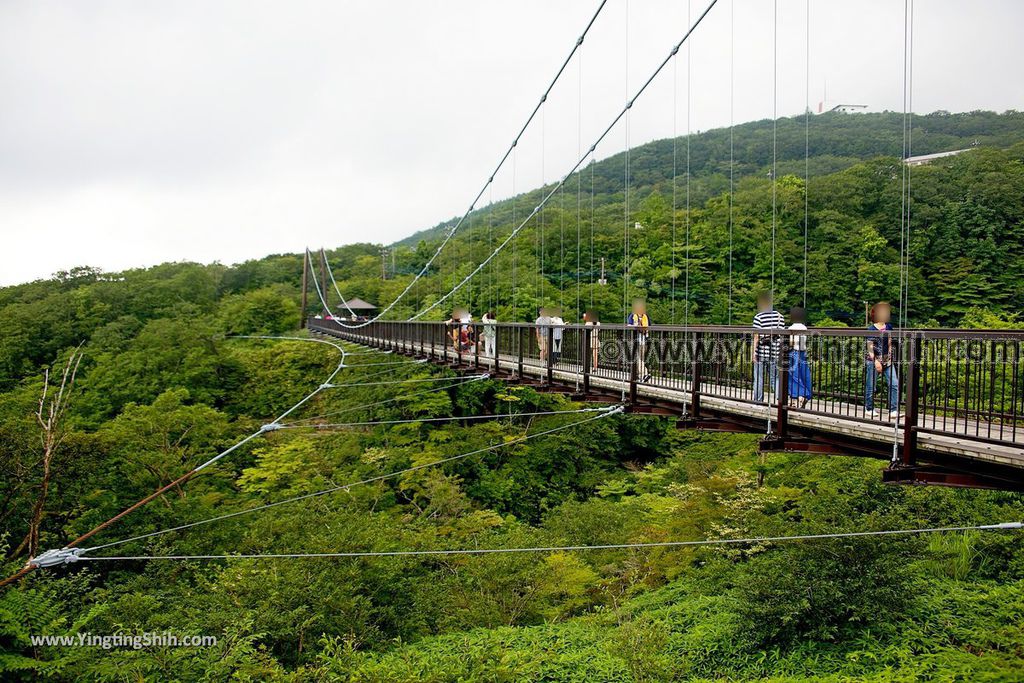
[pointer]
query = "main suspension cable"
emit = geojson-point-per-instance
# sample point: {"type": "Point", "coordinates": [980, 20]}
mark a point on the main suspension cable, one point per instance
{"type": "Point", "coordinates": [451, 232]}
{"type": "Point", "coordinates": [576, 166]}
{"type": "Point", "coordinates": [1004, 526]}
{"type": "Point", "coordinates": [344, 487]}
{"type": "Point", "coordinates": [337, 290]}
{"type": "Point", "coordinates": [70, 550]}
{"type": "Point", "coordinates": [447, 418]}
{"type": "Point", "coordinates": [456, 381]}
{"type": "Point", "coordinates": [415, 380]}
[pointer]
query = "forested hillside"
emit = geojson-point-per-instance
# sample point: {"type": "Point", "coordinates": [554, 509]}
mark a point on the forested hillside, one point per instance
{"type": "Point", "coordinates": [166, 381]}
{"type": "Point", "coordinates": [965, 249]}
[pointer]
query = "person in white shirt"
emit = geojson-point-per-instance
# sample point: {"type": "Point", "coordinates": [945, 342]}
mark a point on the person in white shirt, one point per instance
{"type": "Point", "coordinates": [542, 324]}
{"type": "Point", "coordinates": [799, 370]}
{"type": "Point", "coordinates": [489, 334]}
{"type": "Point", "coordinates": [557, 324]}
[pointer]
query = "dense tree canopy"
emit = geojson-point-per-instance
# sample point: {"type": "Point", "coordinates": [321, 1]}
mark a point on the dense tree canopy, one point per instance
{"type": "Point", "coordinates": [167, 381]}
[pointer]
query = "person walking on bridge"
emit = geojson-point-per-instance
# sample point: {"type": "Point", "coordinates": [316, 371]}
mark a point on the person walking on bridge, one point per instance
{"type": "Point", "coordinates": [639, 319]}
{"type": "Point", "coordinates": [879, 361]}
{"type": "Point", "coordinates": [765, 353]}
{"type": "Point", "coordinates": [557, 329]}
{"type": "Point", "coordinates": [489, 333]}
{"type": "Point", "coordinates": [799, 370]}
{"type": "Point", "coordinates": [543, 323]}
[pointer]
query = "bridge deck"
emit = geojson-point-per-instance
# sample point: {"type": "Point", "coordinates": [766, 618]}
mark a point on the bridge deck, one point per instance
{"type": "Point", "coordinates": [960, 440]}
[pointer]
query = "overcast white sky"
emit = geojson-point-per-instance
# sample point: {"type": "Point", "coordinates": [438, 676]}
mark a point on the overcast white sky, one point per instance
{"type": "Point", "coordinates": [133, 133]}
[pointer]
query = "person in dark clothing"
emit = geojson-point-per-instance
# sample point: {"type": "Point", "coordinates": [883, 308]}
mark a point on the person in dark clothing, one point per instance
{"type": "Point", "coordinates": [639, 320]}
{"type": "Point", "coordinates": [879, 360]}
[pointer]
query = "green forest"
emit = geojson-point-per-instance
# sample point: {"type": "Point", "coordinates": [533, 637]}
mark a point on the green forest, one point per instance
{"type": "Point", "coordinates": [112, 385]}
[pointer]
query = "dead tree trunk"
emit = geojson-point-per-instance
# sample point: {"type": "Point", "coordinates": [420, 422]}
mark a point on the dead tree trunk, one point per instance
{"type": "Point", "coordinates": [53, 406]}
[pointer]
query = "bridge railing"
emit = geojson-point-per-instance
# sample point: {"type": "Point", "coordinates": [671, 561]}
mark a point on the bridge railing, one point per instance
{"type": "Point", "coordinates": [965, 383]}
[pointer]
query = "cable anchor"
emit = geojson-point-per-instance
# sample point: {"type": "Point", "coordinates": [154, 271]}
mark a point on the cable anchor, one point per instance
{"type": "Point", "coordinates": [55, 557]}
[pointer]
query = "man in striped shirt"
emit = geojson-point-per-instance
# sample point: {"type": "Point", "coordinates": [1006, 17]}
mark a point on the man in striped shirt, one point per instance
{"type": "Point", "coordinates": [766, 346]}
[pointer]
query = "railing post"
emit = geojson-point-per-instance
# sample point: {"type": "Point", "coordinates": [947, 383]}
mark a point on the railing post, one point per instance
{"type": "Point", "coordinates": [587, 357]}
{"type": "Point", "coordinates": [519, 351]}
{"type": "Point", "coordinates": [633, 343]}
{"type": "Point", "coordinates": [695, 375]}
{"type": "Point", "coordinates": [913, 380]}
{"type": "Point", "coordinates": [549, 361]}
{"type": "Point", "coordinates": [782, 395]}
{"type": "Point", "coordinates": [447, 338]}
{"type": "Point", "coordinates": [476, 346]}
{"type": "Point", "coordinates": [497, 351]}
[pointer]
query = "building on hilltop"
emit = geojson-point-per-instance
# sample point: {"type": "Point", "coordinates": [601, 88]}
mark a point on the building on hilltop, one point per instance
{"type": "Point", "coordinates": [928, 158]}
{"type": "Point", "coordinates": [842, 108]}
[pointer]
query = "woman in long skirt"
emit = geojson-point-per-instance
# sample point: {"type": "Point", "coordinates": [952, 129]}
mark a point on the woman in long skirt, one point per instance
{"type": "Point", "coordinates": [799, 369]}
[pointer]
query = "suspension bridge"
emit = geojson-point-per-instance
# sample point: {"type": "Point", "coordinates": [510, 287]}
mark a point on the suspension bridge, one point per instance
{"type": "Point", "coordinates": [957, 418]}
